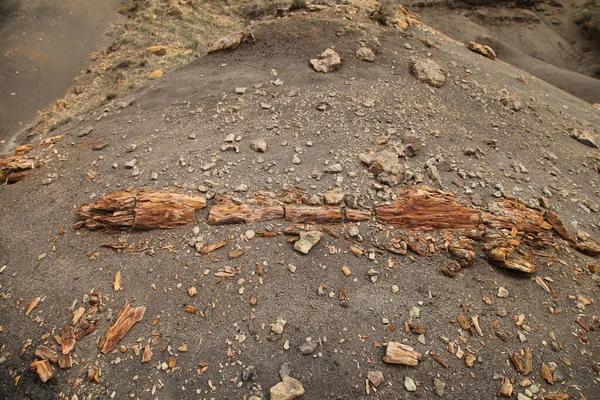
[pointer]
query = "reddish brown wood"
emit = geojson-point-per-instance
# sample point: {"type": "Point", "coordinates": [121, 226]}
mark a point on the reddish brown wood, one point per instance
{"type": "Point", "coordinates": [424, 208]}
{"type": "Point", "coordinates": [128, 317]}
{"type": "Point", "coordinates": [227, 212]}
{"type": "Point", "coordinates": [315, 215]}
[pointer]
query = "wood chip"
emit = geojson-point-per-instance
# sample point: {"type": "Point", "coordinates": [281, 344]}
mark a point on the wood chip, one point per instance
{"type": "Point", "coordinates": [506, 389]}
{"type": "Point", "coordinates": [65, 361]}
{"type": "Point", "coordinates": [192, 291]}
{"type": "Point", "coordinates": [547, 374]}
{"type": "Point", "coordinates": [117, 282]}
{"type": "Point", "coordinates": [236, 253]}
{"type": "Point", "coordinates": [117, 331]}
{"type": "Point", "coordinates": [346, 270]}
{"type": "Point", "coordinates": [147, 354]}
{"type": "Point", "coordinates": [212, 247]}
{"type": "Point", "coordinates": [33, 304]}
{"type": "Point", "coordinates": [43, 369]}
{"type": "Point", "coordinates": [77, 314]}
{"type": "Point", "coordinates": [356, 251]}
{"type": "Point", "coordinates": [172, 362]}
{"type": "Point", "coordinates": [464, 323]}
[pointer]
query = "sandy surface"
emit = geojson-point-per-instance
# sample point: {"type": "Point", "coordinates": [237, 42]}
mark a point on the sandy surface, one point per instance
{"type": "Point", "coordinates": [44, 44]}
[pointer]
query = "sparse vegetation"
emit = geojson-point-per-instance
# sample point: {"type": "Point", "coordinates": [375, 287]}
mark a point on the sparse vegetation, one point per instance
{"type": "Point", "coordinates": [589, 19]}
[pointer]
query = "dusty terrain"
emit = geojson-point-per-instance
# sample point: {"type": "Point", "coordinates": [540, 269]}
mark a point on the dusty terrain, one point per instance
{"type": "Point", "coordinates": [491, 131]}
{"type": "Point", "coordinates": [44, 46]}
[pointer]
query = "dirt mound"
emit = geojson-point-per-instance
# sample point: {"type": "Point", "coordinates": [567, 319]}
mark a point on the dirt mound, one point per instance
{"type": "Point", "coordinates": [227, 311]}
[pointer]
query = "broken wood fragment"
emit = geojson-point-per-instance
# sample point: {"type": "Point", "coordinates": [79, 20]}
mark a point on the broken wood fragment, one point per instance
{"type": "Point", "coordinates": [464, 324]}
{"type": "Point", "coordinates": [65, 361]}
{"type": "Point", "coordinates": [66, 340]}
{"type": "Point", "coordinates": [506, 388]}
{"type": "Point", "coordinates": [46, 353]}
{"type": "Point", "coordinates": [147, 354]}
{"type": "Point", "coordinates": [210, 248]}
{"type": "Point", "coordinates": [439, 359]}
{"type": "Point", "coordinates": [117, 281]}
{"type": "Point", "coordinates": [236, 253]}
{"type": "Point", "coordinates": [33, 304]}
{"type": "Point", "coordinates": [398, 353]}
{"type": "Point", "coordinates": [117, 331]}
{"type": "Point", "coordinates": [509, 258]}
{"type": "Point", "coordinates": [353, 215]}
{"type": "Point", "coordinates": [547, 374]}
{"type": "Point", "coordinates": [43, 369]}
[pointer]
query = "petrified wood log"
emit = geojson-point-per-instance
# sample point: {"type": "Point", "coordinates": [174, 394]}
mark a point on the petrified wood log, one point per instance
{"type": "Point", "coordinates": [427, 209]}
{"type": "Point", "coordinates": [117, 331]}
{"type": "Point", "coordinates": [316, 215]}
{"type": "Point", "coordinates": [141, 209]}
{"type": "Point", "coordinates": [228, 212]}
{"type": "Point", "coordinates": [18, 166]}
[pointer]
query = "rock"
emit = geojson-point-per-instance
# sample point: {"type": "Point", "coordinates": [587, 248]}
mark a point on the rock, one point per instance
{"type": "Point", "coordinates": [439, 387]}
{"type": "Point", "coordinates": [502, 292]}
{"type": "Point", "coordinates": [288, 389]}
{"type": "Point", "coordinates": [334, 197]}
{"type": "Point", "coordinates": [308, 347]}
{"type": "Point", "coordinates": [506, 389]}
{"type": "Point", "coordinates": [278, 326]}
{"type": "Point", "coordinates": [156, 74]}
{"type": "Point", "coordinates": [384, 162]}
{"type": "Point", "coordinates": [327, 62]}
{"type": "Point", "coordinates": [85, 131]}
{"type": "Point", "coordinates": [228, 42]}
{"type": "Point", "coordinates": [259, 145]}
{"type": "Point", "coordinates": [240, 90]}
{"type": "Point", "coordinates": [334, 168]}
{"type": "Point", "coordinates": [429, 72]}
{"type": "Point", "coordinates": [157, 50]}
{"type": "Point", "coordinates": [415, 312]}
{"type": "Point", "coordinates": [434, 174]}
{"type": "Point", "coordinates": [307, 241]}
{"type": "Point", "coordinates": [409, 384]}
{"type": "Point", "coordinates": [585, 137]}
{"type": "Point", "coordinates": [241, 188]}
{"type": "Point", "coordinates": [365, 54]}
{"type": "Point", "coordinates": [284, 370]}
{"type": "Point", "coordinates": [407, 46]}
{"type": "Point", "coordinates": [512, 102]}
{"type": "Point", "coordinates": [482, 49]}
{"type": "Point", "coordinates": [296, 160]}
{"type": "Point", "coordinates": [131, 163]}
{"type": "Point", "coordinates": [375, 377]}
{"type": "Point", "coordinates": [412, 145]}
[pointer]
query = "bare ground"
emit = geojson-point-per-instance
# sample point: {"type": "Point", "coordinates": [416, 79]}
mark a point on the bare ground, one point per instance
{"type": "Point", "coordinates": [363, 103]}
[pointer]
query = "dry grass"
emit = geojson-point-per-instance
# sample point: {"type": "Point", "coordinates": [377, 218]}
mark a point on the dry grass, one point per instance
{"type": "Point", "coordinates": [186, 27]}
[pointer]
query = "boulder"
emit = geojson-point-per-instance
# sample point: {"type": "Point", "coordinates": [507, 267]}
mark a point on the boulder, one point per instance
{"type": "Point", "coordinates": [429, 72]}
{"type": "Point", "coordinates": [327, 62]}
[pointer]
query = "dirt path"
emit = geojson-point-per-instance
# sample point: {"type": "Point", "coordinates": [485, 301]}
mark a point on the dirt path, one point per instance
{"type": "Point", "coordinates": [44, 44]}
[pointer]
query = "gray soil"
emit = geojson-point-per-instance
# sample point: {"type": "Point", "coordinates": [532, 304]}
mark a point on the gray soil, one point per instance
{"type": "Point", "coordinates": [44, 45]}
{"type": "Point", "coordinates": [179, 123]}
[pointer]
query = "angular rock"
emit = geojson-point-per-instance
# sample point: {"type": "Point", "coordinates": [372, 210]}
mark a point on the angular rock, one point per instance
{"type": "Point", "coordinates": [409, 384]}
{"type": "Point", "coordinates": [334, 197]}
{"type": "Point", "coordinates": [228, 42]}
{"type": "Point", "coordinates": [375, 377]}
{"type": "Point", "coordinates": [288, 389]}
{"type": "Point", "coordinates": [157, 50]}
{"type": "Point", "coordinates": [365, 54]}
{"type": "Point", "coordinates": [259, 145]}
{"type": "Point", "coordinates": [307, 241]}
{"type": "Point", "coordinates": [585, 137]}
{"type": "Point", "coordinates": [439, 386]}
{"type": "Point", "coordinates": [328, 61]}
{"type": "Point", "coordinates": [308, 347]}
{"type": "Point", "coordinates": [429, 72]}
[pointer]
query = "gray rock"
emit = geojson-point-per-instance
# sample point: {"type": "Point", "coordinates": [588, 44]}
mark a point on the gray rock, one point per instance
{"type": "Point", "coordinates": [308, 347]}
{"type": "Point", "coordinates": [429, 72]}
{"type": "Point", "coordinates": [334, 168]}
{"type": "Point", "coordinates": [439, 386]}
{"type": "Point", "coordinates": [502, 292]}
{"type": "Point", "coordinates": [585, 137]}
{"type": "Point", "coordinates": [131, 164]}
{"type": "Point", "coordinates": [409, 384]}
